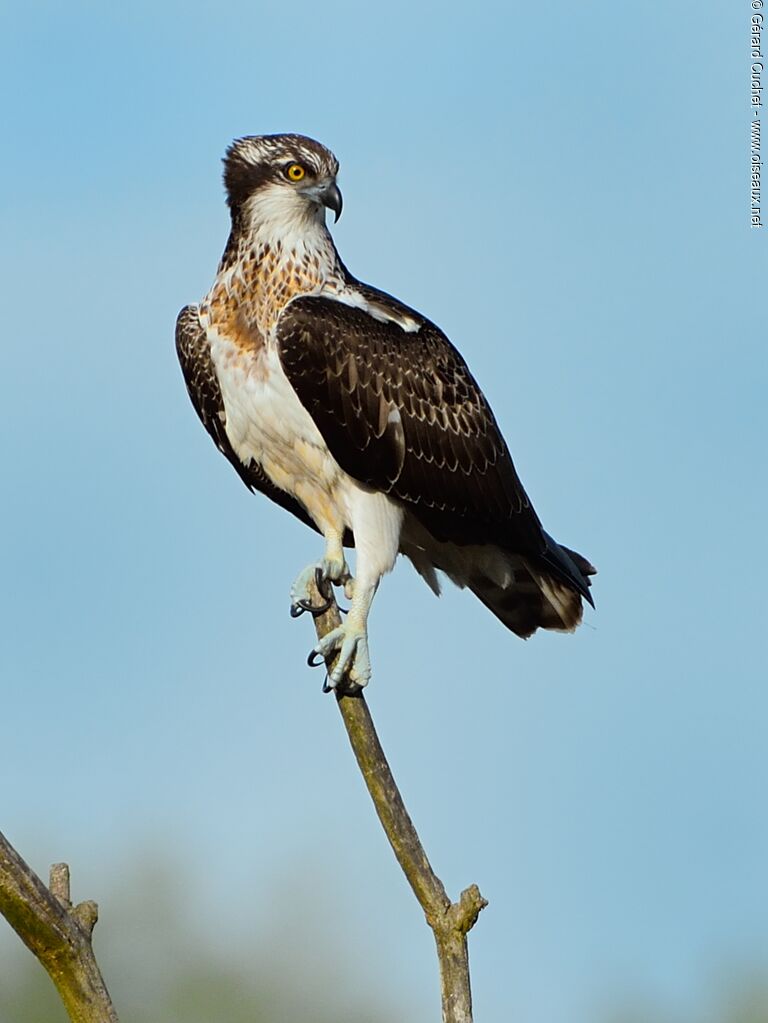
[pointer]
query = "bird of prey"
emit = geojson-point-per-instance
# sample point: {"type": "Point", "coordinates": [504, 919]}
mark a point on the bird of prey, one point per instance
{"type": "Point", "coordinates": [356, 413]}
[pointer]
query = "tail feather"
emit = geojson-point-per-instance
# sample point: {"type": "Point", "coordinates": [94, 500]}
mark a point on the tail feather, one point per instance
{"type": "Point", "coordinates": [537, 599]}
{"type": "Point", "coordinates": [525, 593]}
{"type": "Point", "coordinates": [571, 568]}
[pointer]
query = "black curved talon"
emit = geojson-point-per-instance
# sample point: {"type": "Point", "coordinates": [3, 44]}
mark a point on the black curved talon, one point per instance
{"type": "Point", "coordinates": [326, 687]}
{"type": "Point", "coordinates": [298, 609]}
{"type": "Point", "coordinates": [321, 609]}
{"type": "Point", "coordinates": [311, 659]}
{"type": "Point", "coordinates": [320, 582]}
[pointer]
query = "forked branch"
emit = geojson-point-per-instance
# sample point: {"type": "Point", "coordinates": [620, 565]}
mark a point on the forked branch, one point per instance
{"type": "Point", "coordinates": [57, 932]}
{"type": "Point", "coordinates": [450, 921]}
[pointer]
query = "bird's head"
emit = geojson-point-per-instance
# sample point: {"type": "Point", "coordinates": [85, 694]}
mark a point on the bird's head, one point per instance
{"type": "Point", "coordinates": [280, 181]}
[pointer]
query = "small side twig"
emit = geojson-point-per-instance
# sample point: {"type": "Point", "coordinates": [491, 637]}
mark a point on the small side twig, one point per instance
{"type": "Point", "coordinates": [57, 932]}
{"type": "Point", "coordinates": [450, 921]}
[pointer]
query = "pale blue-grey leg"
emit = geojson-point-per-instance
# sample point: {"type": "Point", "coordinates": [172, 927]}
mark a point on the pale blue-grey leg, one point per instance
{"type": "Point", "coordinates": [351, 640]}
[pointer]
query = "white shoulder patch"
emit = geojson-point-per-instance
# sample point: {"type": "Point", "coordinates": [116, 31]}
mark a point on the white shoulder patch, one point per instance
{"type": "Point", "coordinates": [378, 310]}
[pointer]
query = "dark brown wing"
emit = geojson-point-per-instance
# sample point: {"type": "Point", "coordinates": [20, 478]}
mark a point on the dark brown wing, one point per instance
{"type": "Point", "coordinates": [194, 355]}
{"type": "Point", "coordinates": [401, 412]}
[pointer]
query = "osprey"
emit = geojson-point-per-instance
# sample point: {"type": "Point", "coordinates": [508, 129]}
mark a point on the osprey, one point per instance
{"type": "Point", "coordinates": [356, 413]}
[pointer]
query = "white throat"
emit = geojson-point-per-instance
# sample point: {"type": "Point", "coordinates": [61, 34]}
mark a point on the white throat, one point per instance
{"type": "Point", "coordinates": [277, 214]}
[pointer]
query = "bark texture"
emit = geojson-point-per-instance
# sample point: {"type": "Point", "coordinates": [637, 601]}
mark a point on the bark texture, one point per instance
{"type": "Point", "coordinates": [450, 921]}
{"type": "Point", "coordinates": [57, 932]}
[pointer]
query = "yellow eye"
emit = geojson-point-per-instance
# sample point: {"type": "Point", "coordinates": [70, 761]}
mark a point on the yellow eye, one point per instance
{"type": "Point", "coordinates": [294, 172]}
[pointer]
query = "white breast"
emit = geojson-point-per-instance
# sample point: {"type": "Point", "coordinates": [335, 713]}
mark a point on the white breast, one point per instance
{"type": "Point", "coordinates": [265, 420]}
{"type": "Point", "coordinates": [267, 423]}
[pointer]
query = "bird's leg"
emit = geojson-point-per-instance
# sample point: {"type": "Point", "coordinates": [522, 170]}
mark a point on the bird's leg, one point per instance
{"type": "Point", "coordinates": [350, 639]}
{"type": "Point", "coordinates": [376, 522]}
{"type": "Point", "coordinates": [332, 569]}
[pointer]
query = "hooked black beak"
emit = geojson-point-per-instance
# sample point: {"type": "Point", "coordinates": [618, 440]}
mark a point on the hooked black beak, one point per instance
{"type": "Point", "coordinates": [331, 197]}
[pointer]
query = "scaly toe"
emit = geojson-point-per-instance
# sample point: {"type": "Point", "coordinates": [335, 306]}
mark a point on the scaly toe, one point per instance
{"type": "Point", "coordinates": [353, 660]}
{"type": "Point", "coordinates": [357, 665]}
{"type": "Point", "coordinates": [331, 642]}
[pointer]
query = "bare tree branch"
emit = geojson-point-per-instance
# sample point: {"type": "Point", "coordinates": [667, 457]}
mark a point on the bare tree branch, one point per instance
{"type": "Point", "coordinates": [450, 921]}
{"type": "Point", "coordinates": [57, 932]}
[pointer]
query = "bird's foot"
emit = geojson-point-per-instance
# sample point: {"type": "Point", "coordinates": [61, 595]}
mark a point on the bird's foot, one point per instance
{"type": "Point", "coordinates": [328, 571]}
{"type": "Point", "coordinates": [353, 664]}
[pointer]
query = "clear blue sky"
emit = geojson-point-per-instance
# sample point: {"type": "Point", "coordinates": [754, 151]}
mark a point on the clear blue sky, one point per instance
{"type": "Point", "coordinates": [564, 190]}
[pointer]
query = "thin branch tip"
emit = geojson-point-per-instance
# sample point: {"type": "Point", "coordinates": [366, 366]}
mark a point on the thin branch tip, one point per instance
{"type": "Point", "coordinates": [59, 884]}
{"type": "Point", "coordinates": [59, 881]}
{"type": "Point", "coordinates": [469, 907]}
{"type": "Point", "coordinates": [86, 913]}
